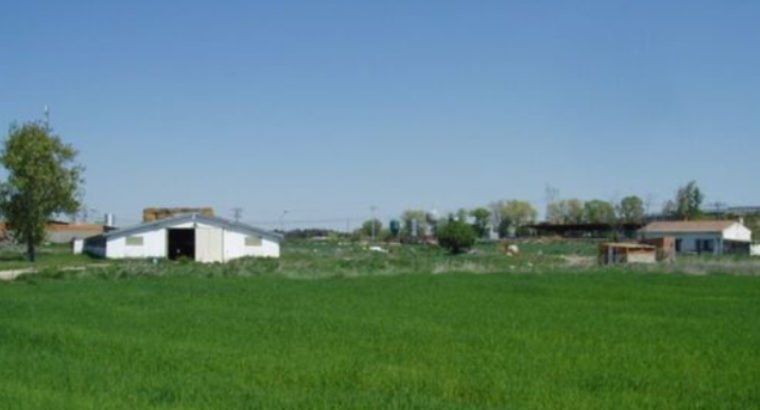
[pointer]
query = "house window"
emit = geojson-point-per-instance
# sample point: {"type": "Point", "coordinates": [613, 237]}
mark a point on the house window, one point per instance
{"type": "Point", "coordinates": [705, 245]}
{"type": "Point", "coordinates": [134, 240]}
{"type": "Point", "coordinates": [252, 241]}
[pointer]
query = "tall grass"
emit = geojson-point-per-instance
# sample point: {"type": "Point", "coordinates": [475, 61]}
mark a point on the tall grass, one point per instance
{"type": "Point", "coordinates": [597, 340]}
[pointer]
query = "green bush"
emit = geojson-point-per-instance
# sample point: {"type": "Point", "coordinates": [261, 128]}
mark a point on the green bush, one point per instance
{"type": "Point", "coordinates": [456, 236]}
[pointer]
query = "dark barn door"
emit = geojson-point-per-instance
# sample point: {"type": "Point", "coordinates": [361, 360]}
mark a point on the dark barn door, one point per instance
{"type": "Point", "coordinates": [182, 244]}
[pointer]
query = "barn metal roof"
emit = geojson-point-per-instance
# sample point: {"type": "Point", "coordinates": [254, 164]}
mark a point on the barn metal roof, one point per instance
{"type": "Point", "coordinates": [194, 217]}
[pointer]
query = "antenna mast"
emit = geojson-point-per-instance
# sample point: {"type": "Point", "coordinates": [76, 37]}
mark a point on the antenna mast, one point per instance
{"type": "Point", "coordinates": [47, 117]}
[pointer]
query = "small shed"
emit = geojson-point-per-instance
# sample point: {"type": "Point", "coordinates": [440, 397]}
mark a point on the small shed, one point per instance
{"type": "Point", "coordinates": [666, 247]}
{"type": "Point", "coordinates": [195, 237]}
{"type": "Point", "coordinates": [616, 252]}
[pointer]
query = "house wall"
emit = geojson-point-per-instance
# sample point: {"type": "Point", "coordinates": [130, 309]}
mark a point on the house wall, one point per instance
{"type": "Point", "coordinates": [689, 240]}
{"type": "Point", "coordinates": [738, 232]}
{"type": "Point", "coordinates": [754, 249]}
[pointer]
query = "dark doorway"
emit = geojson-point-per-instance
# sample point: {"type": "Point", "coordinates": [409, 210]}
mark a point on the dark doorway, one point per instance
{"type": "Point", "coordinates": [182, 244]}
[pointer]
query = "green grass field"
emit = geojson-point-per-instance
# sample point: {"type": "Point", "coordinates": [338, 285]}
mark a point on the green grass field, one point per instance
{"type": "Point", "coordinates": [606, 339]}
{"type": "Point", "coordinates": [49, 256]}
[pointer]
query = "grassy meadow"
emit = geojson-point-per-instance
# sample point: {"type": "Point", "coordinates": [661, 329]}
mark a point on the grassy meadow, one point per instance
{"type": "Point", "coordinates": [398, 330]}
{"type": "Point", "coordinates": [48, 256]}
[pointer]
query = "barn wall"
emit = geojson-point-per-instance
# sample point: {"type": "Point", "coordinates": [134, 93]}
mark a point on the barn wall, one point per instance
{"type": "Point", "coordinates": [234, 247]}
{"type": "Point", "coordinates": [233, 244]}
{"type": "Point", "coordinates": [209, 244]}
{"type": "Point", "coordinates": [154, 246]}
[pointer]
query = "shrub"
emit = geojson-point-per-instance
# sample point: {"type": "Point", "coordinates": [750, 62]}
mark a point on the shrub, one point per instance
{"type": "Point", "coordinates": [456, 236]}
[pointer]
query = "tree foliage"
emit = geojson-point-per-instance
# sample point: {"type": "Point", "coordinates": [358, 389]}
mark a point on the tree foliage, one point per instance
{"type": "Point", "coordinates": [687, 203]}
{"type": "Point", "coordinates": [366, 228]}
{"type": "Point", "coordinates": [43, 180]}
{"type": "Point", "coordinates": [598, 212]}
{"type": "Point", "coordinates": [456, 236]}
{"type": "Point", "coordinates": [481, 224]}
{"type": "Point", "coordinates": [566, 211]}
{"type": "Point", "coordinates": [631, 210]}
{"type": "Point", "coordinates": [512, 215]}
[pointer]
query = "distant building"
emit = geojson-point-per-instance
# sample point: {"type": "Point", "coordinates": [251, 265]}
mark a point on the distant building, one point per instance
{"type": "Point", "coordinates": [702, 237]}
{"type": "Point", "coordinates": [743, 210]}
{"type": "Point", "coordinates": [614, 253]}
{"type": "Point", "coordinates": [62, 232]}
{"type": "Point", "coordinates": [193, 236]}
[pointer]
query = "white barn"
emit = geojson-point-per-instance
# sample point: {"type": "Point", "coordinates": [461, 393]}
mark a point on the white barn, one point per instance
{"type": "Point", "coordinates": [193, 236]}
{"type": "Point", "coordinates": [710, 237]}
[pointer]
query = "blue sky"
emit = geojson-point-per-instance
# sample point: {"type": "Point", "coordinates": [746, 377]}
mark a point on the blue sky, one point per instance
{"type": "Point", "coordinates": [327, 108]}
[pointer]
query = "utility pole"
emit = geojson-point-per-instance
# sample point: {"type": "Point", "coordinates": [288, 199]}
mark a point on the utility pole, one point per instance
{"type": "Point", "coordinates": [237, 214]}
{"type": "Point", "coordinates": [719, 207]}
{"type": "Point", "coordinates": [552, 193]}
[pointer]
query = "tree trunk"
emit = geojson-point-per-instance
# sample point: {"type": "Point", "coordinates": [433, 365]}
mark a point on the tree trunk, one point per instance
{"type": "Point", "coordinates": [30, 251]}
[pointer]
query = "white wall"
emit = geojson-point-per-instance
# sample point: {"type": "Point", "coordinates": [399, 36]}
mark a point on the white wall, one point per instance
{"type": "Point", "coordinates": [234, 247]}
{"type": "Point", "coordinates": [738, 232]}
{"type": "Point", "coordinates": [154, 246]}
{"type": "Point", "coordinates": [209, 244]}
{"type": "Point", "coordinates": [754, 249]}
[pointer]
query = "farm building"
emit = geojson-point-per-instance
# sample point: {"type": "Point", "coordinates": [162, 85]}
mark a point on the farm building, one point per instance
{"type": "Point", "coordinates": [710, 237]}
{"type": "Point", "coordinates": [612, 253]}
{"type": "Point", "coordinates": [62, 232]}
{"type": "Point", "coordinates": [193, 236]}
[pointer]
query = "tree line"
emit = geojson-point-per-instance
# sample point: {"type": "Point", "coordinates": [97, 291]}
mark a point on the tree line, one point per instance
{"type": "Point", "coordinates": [509, 218]}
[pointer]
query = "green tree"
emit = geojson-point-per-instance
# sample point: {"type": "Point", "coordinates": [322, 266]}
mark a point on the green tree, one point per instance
{"type": "Point", "coordinates": [482, 217]}
{"type": "Point", "coordinates": [43, 180]}
{"type": "Point", "coordinates": [566, 211]}
{"type": "Point", "coordinates": [687, 204]}
{"type": "Point", "coordinates": [512, 215]}
{"type": "Point", "coordinates": [462, 215]}
{"type": "Point", "coordinates": [367, 228]}
{"type": "Point", "coordinates": [556, 212]}
{"type": "Point", "coordinates": [599, 212]}
{"type": "Point", "coordinates": [631, 209]}
{"type": "Point", "coordinates": [576, 211]}
{"type": "Point", "coordinates": [456, 236]}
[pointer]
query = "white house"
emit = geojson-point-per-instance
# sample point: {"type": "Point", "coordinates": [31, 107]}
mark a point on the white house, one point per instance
{"type": "Point", "coordinates": [712, 237]}
{"type": "Point", "coordinates": [193, 236]}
